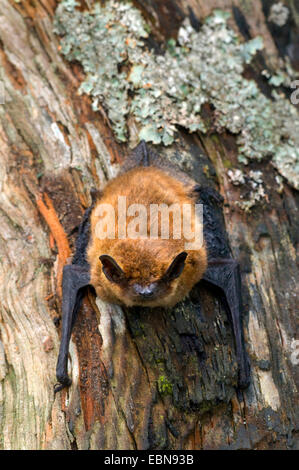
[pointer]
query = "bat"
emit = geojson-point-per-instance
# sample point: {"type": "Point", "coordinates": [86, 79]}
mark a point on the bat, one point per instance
{"type": "Point", "coordinates": [150, 271]}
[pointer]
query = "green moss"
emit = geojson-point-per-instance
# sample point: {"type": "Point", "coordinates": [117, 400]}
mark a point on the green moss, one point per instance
{"type": "Point", "coordinates": [227, 164]}
{"type": "Point", "coordinates": [164, 386]}
{"type": "Point", "coordinates": [161, 92]}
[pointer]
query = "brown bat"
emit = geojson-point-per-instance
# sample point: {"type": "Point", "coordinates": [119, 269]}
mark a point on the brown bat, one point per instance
{"type": "Point", "coordinates": [146, 272]}
{"type": "Point", "coordinates": [150, 271]}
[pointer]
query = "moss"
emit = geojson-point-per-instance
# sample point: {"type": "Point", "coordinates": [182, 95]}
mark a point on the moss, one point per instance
{"type": "Point", "coordinates": [164, 386]}
{"type": "Point", "coordinates": [227, 164]}
{"type": "Point", "coordinates": [161, 92]}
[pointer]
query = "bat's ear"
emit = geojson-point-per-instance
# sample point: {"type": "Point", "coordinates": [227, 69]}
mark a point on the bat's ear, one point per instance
{"type": "Point", "coordinates": [176, 267]}
{"type": "Point", "coordinates": [111, 269]}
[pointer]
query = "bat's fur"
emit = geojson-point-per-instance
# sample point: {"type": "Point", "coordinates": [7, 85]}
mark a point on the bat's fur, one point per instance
{"type": "Point", "coordinates": [146, 261]}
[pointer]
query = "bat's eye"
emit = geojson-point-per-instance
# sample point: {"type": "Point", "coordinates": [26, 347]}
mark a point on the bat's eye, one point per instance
{"type": "Point", "coordinates": [111, 269]}
{"type": "Point", "coordinates": [176, 267]}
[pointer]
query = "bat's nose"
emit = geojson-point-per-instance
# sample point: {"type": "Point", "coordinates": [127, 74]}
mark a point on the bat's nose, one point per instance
{"type": "Point", "coordinates": [144, 291]}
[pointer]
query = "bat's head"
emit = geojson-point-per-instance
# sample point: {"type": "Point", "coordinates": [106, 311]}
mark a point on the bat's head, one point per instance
{"type": "Point", "coordinates": [156, 268]}
{"type": "Point", "coordinates": [144, 291]}
{"type": "Point", "coordinates": [142, 277]}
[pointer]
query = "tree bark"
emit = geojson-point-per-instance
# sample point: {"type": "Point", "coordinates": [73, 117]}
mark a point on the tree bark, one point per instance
{"type": "Point", "coordinates": [165, 380]}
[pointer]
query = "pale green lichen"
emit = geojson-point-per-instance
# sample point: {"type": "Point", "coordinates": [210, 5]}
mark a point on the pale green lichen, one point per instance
{"type": "Point", "coordinates": [284, 74]}
{"type": "Point", "coordinates": [279, 14]}
{"type": "Point", "coordinates": [103, 40]}
{"type": "Point", "coordinates": [162, 92]}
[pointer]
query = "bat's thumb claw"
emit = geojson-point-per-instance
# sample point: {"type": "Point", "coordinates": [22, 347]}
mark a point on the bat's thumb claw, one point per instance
{"type": "Point", "coordinates": [94, 194]}
{"type": "Point", "coordinates": [63, 382]}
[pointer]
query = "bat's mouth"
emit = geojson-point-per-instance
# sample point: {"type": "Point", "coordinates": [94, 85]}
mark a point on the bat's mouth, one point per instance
{"type": "Point", "coordinates": [145, 294]}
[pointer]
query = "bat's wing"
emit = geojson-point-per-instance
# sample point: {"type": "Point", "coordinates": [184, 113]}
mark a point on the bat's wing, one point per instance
{"type": "Point", "coordinates": [76, 278]}
{"type": "Point", "coordinates": [223, 273]}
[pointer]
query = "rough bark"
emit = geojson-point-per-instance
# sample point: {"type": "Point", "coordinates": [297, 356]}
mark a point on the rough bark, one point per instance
{"type": "Point", "coordinates": [159, 380]}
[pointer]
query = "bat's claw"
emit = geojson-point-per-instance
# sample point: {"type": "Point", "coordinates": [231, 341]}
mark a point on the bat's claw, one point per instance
{"type": "Point", "coordinates": [64, 381]}
{"type": "Point", "coordinates": [94, 194]}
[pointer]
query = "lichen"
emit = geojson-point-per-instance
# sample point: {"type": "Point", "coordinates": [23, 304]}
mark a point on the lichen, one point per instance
{"type": "Point", "coordinates": [164, 386]}
{"type": "Point", "coordinates": [254, 181]}
{"type": "Point", "coordinates": [284, 74]}
{"type": "Point", "coordinates": [103, 40]}
{"type": "Point", "coordinates": [236, 176]}
{"type": "Point", "coordinates": [279, 14]}
{"type": "Point", "coordinates": [162, 92]}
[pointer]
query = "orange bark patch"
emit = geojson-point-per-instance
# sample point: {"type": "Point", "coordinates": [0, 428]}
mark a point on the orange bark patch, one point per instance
{"type": "Point", "coordinates": [47, 210]}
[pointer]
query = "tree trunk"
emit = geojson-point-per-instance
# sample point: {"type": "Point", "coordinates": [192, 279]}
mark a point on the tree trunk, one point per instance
{"type": "Point", "coordinates": [165, 380]}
